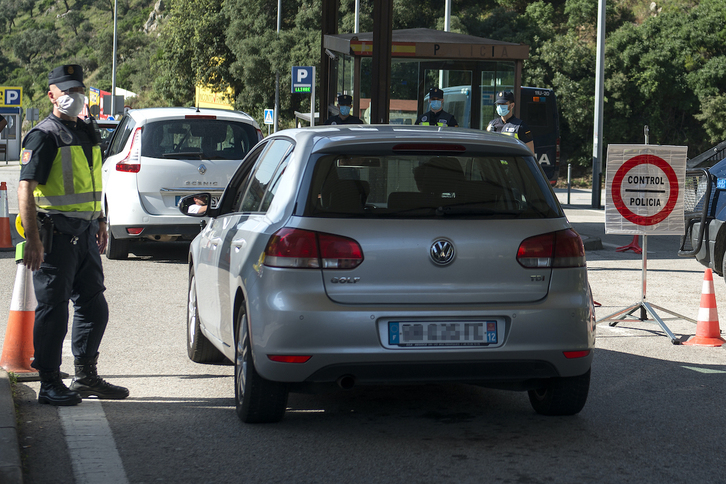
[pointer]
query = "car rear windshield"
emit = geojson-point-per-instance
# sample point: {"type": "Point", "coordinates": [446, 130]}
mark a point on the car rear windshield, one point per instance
{"type": "Point", "coordinates": [208, 139]}
{"type": "Point", "coordinates": [414, 186]}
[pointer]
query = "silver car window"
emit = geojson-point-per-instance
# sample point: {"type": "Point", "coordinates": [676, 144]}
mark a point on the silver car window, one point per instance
{"type": "Point", "coordinates": [415, 186]}
{"type": "Point", "coordinates": [263, 174]}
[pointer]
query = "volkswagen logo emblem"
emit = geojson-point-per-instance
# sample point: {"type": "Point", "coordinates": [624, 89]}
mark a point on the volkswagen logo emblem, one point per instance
{"type": "Point", "coordinates": [202, 169]}
{"type": "Point", "coordinates": [442, 252]}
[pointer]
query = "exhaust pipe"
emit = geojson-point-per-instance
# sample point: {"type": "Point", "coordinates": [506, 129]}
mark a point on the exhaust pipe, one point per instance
{"type": "Point", "coordinates": [346, 382]}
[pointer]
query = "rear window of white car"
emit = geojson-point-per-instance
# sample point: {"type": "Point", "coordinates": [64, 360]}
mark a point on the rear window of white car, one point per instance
{"type": "Point", "coordinates": [208, 139]}
{"type": "Point", "coordinates": [414, 186]}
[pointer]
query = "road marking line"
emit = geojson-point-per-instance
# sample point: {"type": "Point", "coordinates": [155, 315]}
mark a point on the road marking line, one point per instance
{"type": "Point", "coordinates": [91, 445]}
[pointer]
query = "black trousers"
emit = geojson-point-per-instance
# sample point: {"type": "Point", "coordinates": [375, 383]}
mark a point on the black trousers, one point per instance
{"type": "Point", "coordinates": [72, 271]}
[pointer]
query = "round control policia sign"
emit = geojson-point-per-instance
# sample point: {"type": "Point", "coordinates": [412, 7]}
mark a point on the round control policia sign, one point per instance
{"type": "Point", "coordinates": [644, 189]}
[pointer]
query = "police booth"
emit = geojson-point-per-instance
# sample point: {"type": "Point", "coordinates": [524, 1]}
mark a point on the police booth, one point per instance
{"type": "Point", "coordinates": [11, 101]}
{"type": "Point", "coordinates": [470, 70]}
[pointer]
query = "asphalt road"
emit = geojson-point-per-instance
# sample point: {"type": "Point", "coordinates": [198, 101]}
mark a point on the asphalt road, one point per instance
{"type": "Point", "coordinates": [655, 412]}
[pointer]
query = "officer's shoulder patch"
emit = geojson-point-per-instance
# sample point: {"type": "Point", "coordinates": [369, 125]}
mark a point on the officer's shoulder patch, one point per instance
{"type": "Point", "coordinates": [424, 118]}
{"type": "Point", "coordinates": [25, 156]}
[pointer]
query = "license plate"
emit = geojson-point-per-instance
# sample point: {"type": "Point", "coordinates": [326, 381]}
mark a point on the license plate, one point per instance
{"type": "Point", "coordinates": [463, 333]}
{"type": "Point", "coordinates": [215, 200]}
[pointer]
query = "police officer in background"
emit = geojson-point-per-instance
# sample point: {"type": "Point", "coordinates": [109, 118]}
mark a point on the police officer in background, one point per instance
{"type": "Point", "coordinates": [59, 198]}
{"type": "Point", "coordinates": [437, 116]}
{"type": "Point", "coordinates": [509, 124]}
{"type": "Point", "coordinates": [344, 105]}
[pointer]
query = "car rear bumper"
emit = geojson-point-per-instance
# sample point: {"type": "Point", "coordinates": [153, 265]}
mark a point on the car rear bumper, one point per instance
{"type": "Point", "coordinates": [172, 229]}
{"type": "Point", "coordinates": [350, 340]}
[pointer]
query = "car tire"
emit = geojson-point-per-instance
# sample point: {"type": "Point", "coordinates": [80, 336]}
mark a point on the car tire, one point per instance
{"type": "Point", "coordinates": [199, 348]}
{"type": "Point", "coordinates": [561, 396]}
{"type": "Point", "coordinates": [116, 249]}
{"type": "Point", "coordinates": [256, 400]}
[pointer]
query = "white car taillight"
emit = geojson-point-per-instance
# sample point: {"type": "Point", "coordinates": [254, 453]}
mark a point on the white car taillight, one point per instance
{"type": "Point", "coordinates": [132, 162]}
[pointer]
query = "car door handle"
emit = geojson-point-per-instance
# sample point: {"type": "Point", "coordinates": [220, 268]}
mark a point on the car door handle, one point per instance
{"type": "Point", "coordinates": [239, 244]}
{"type": "Point", "coordinates": [215, 241]}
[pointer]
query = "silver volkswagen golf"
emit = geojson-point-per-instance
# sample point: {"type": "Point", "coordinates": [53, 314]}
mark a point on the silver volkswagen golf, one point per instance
{"type": "Point", "coordinates": [385, 255]}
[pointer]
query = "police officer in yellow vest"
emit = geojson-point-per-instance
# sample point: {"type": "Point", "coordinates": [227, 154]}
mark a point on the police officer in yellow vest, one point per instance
{"type": "Point", "coordinates": [437, 116]}
{"type": "Point", "coordinates": [507, 123]}
{"type": "Point", "coordinates": [59, 198]}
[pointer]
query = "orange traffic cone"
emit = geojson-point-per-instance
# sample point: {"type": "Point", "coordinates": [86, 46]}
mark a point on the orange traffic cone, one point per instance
{"type": "Point", "coordinates": [707, 330]}
{"type": "Point", "coordinates": [6, 238]}
{"type": "Point", "coordinates": [18, 345]}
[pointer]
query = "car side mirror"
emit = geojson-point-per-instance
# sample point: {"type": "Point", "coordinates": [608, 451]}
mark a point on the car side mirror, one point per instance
{"type": "Point", "coordinates": [197, 205]}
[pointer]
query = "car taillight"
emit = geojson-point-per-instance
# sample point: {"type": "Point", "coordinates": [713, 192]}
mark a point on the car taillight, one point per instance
{"type": "Point", "coordinates": [260, 137]}
{"type": "Point", "coordinates": [289, 358]}
{"type": "Point", "coordinates": [132, 162]}
{"type": "Point", "coordinates": [556, 250]}
{"type": "Point", "coordinates": [305, 249]}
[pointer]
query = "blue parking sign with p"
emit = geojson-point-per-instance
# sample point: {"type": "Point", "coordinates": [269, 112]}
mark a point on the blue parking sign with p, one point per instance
{"type": "Point", "coordinates": [11, 96]}
{"type": "Point", "coordinates": [302, 79]}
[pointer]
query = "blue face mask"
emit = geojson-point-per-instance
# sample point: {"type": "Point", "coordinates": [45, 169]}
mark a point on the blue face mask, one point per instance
{"type": "Point", "coordinates": [502, 109]}
{"type": "Point", "coordinates": [345, 110]}
{"type": "Point", "coordinates": [436, 104]}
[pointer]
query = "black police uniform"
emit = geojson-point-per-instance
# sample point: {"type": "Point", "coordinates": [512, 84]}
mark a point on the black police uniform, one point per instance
{"type": "Point", "coordinates": [338, 120]}
{"type": "Point", "coordinates": [344, 100]}
{"type": "Point", "coordinates": [433, 119]}
{"type": "Point", "coordinates": [513, 127]}
{"type": "Point", "coordinates": [72, 270]}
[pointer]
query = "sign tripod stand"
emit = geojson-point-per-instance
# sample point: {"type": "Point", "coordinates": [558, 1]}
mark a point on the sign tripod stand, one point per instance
{"type": "Point", "coordinates": [617, 200]}
{"type": "Point", "coordinates": [644, 306]}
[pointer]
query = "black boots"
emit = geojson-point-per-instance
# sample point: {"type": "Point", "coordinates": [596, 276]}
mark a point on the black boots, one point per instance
{"type": "Point", "coordinates": [54, 392]}
{"type": "Point", "coordinates": [87, 382]}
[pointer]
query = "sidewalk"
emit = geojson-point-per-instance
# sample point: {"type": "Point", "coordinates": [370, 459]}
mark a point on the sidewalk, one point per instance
{"type": "Point", "coordinates": [11, 471]}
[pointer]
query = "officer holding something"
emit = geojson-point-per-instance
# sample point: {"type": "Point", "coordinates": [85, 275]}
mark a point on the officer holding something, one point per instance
{"type": "Point", "coordinates": [507, 123]}
{"type": "Point", "coordinates": [59, 198]}
{"type": "Point", "coordinates": [345, 102]}
{"type": "Point", "coordinates": [437, 116]}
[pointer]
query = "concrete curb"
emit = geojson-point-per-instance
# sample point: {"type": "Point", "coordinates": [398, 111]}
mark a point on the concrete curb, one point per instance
{"type": "Point", "coordinates": [11, 470]}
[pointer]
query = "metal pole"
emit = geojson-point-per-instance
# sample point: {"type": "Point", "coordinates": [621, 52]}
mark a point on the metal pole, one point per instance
{"type": "Point", "coordinates": [312, 101]}
{"type": "Point", "coordinates": [113, 66]}
{"type": "Point", "coordinates": [644, 247]}
{"type": "Point", "coordinates": [357, 17]}
{"type": "Point", "coordinates": [599, 104]}
{"type": "Point", "coordinates": [277, 74]}
{"type": "Point", "coordinates": [569, 181]}
{"type": "Point", "coordinates": [447, 16]}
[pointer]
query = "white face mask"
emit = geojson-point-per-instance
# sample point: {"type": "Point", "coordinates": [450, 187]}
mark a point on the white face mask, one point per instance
{"type": "Point", "coordinates": [71, 104]}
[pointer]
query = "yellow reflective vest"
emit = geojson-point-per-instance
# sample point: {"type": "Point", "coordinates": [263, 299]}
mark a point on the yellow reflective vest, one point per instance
{"type": "Point", "coordinates": [73, 188]}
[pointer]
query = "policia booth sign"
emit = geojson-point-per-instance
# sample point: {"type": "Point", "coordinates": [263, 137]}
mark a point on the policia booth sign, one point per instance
{"type": "Point", "coordinates": [644, 189]}
{"type": "Point", "coordinates": [644, 196]}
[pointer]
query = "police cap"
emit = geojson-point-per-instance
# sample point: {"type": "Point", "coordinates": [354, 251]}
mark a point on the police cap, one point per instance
{"type": "Point", "coordinates": [66, 77]}
{"type": "Point", "coordinates": [345, 100]}
{"type": "Point", "coordinates": [504, 97]}
{"type": "Point", "coordinates": [436, 93]}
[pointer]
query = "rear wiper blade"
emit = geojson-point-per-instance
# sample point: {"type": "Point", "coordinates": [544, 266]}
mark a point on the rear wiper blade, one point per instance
{"type": "Point", "coordinates": [182, 154]}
